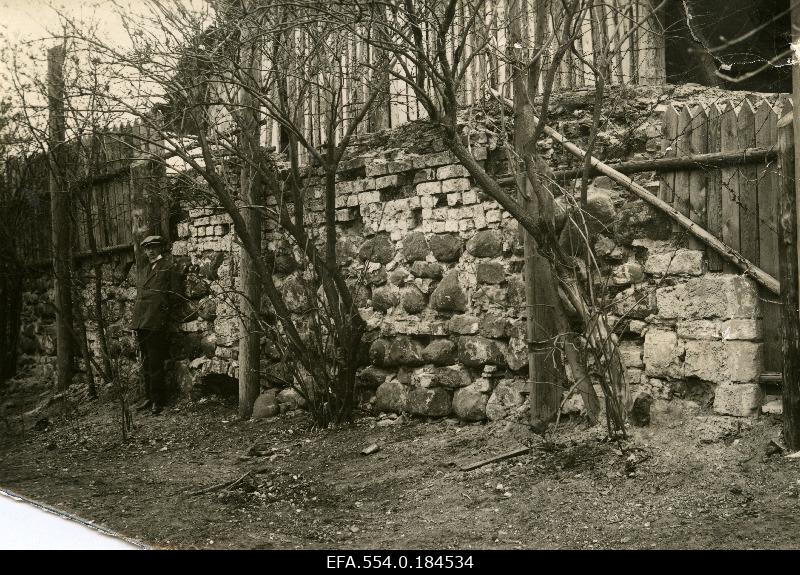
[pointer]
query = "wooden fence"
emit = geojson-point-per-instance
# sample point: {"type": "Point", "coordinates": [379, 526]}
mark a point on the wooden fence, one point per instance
{"type": "Point", "coordinates": [621, 39]}
{"type": "Point", "coordinates": [738, 203]}
{"type": "Point", "coordinates": [101, 168]}
{"type": "Point", "coordinates": [105, 175]}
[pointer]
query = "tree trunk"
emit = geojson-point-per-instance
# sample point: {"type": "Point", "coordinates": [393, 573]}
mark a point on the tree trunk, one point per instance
{"type": "Point", "coordinates": [250, 193]}
{"type": "Point", "coordinates": [543, 313]}
{"type": "Point", "coordinates": [788, 267]}
{"type": "Point", "coordinates": [60, 211]}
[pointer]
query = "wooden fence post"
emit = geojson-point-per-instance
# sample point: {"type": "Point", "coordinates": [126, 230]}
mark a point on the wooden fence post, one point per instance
{"type": "Point", "coordinates": [60, 209]}
{"type": "Point", "coordinates": [790, 321]}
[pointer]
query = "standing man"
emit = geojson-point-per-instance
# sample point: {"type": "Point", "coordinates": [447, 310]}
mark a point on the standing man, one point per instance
{"type": "Point", "coordinates": [156, 286]}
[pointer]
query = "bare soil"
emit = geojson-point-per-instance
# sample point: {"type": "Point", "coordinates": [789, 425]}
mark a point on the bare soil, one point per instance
{"type": "Point", "coordinates": [690, 480]}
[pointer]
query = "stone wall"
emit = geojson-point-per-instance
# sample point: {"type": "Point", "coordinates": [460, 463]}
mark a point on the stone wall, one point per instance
{"type": "Point", "coordinates": [118, 291]}
{"type": "Point", "coordinates": [436, 267]}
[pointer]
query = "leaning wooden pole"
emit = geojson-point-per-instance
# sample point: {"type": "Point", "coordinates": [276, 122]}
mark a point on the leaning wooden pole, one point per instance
{"type": "Point", "coordinates": [731, 255]}
{"type": "Point", "coordinates": [788, 261]}
{"type": "Point", "coordinates": [60, 217]}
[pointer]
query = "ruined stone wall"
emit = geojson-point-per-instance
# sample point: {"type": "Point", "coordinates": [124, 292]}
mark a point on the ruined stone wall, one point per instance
{"type": "Point", "coordinates": [436, 269]}
{"type": "Point", "coordinates": [38, 345]}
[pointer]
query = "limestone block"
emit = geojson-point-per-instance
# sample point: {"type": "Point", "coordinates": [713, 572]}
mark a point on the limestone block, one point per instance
{"type": "Point", "coordinates": [631, 354]}
{"type": "Point", "coordinates": [493, 325]}
{"type": "Point", "coordinates": [745, 360]}
{"type": "Point", "coordinates": [470, 197]}
{"type": "Point", "coordinates": [429, 188]}
{"type": "Point", "coordinates": [699, 329]}
{"type": "Point", "coordinates": [455, 185]}
{"type": "Point", "coordinates": [724, 361]}
{"type": "Point", "coordinates": [662, 354]}
{"type": "Point", "coordinates": [387, 181]}
{"type": "Point", "coordinates": [452, 377]}
{"type": "Point", "coordinates": [377, 167]}
{"type": "Point", "coordinates": [745, 329]}
{"type": "Point", "coordinates": [677, 262]}
{"type": "Point", "coordinates": [711, 296]}
{"type": "Point", "coordinates": [742, 400]}
{"type": "Point", "coordinates": [627, 274]}
{"type": "Point", "coordinates": [634, 376]}
{"type": "Point", "coordinates": [636, 302]}
{"type": "Point", "coordinates": [452, 171]}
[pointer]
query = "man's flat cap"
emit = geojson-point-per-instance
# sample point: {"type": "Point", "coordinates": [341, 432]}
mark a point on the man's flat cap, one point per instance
{"type": "Point", "coordinates": [152, 241]}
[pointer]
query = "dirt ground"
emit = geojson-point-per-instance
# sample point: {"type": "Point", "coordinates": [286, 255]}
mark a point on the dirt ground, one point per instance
{"type": "Point", "coordinates": [690, 480]}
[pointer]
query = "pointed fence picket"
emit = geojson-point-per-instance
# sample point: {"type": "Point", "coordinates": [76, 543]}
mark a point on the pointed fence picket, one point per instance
{"type": "Point", "coordinates": [736, 203]}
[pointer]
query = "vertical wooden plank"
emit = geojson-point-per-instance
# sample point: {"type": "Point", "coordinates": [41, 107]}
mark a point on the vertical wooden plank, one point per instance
{"type": "Point", "coordinates": [600, 40]}
{"type": "Point", "coordinates": [683, 148]}
{"type": "Point", "coordinates": [659, 65]}
{"type": "Point", "coordinates": [697, 178]}
{"type": "Point", "coordinates": [625, 46]}
{"type": "Point", "coordinates": [714, 191]}
{"type": "Point", "coordinates": [730, 184]}
{"type": "Point", "coordinates": [587, 49]}
{"type": "Point", "coordinates": [748, 207]}
{"type": "Point", "coordinates": [616, 38]}
{"type": "Point", "coordinates": [669, 143]}
{"type": "Point", "coordinates": [768, 204]}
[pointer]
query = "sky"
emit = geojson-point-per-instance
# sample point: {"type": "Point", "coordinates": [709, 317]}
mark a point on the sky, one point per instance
{"type": "Point", "coordinates": [32, 19]}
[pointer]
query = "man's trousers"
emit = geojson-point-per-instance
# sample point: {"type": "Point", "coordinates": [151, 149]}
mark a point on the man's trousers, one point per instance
{"type": "Point", "coordinates": [154, 345]}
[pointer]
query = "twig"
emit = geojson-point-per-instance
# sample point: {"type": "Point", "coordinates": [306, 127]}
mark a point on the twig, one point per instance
{"type": "Point", "coordinates": [219, 486]}
{"type": "Point", "coordinates": [506, 455]}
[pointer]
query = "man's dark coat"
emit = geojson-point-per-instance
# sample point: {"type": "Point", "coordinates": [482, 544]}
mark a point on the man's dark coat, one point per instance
{"type": "Point", "coordinates": [156, 288]}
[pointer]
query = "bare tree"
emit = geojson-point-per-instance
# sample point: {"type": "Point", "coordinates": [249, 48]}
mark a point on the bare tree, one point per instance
{"type": "Point", "coordinates": [435, 44]}
{"type": "Point", "coordinates": [214, 73]}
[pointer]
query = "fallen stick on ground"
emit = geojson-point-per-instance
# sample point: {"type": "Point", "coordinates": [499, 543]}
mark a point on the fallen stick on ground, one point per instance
{"type": "Point", "coordinates": [218, 486]}
{"type": "Point", "coordinates": [506, 455]}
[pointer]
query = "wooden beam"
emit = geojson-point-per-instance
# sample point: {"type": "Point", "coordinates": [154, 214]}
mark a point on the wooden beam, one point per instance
{"type": "Point", "coordinates": [756, 155]}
